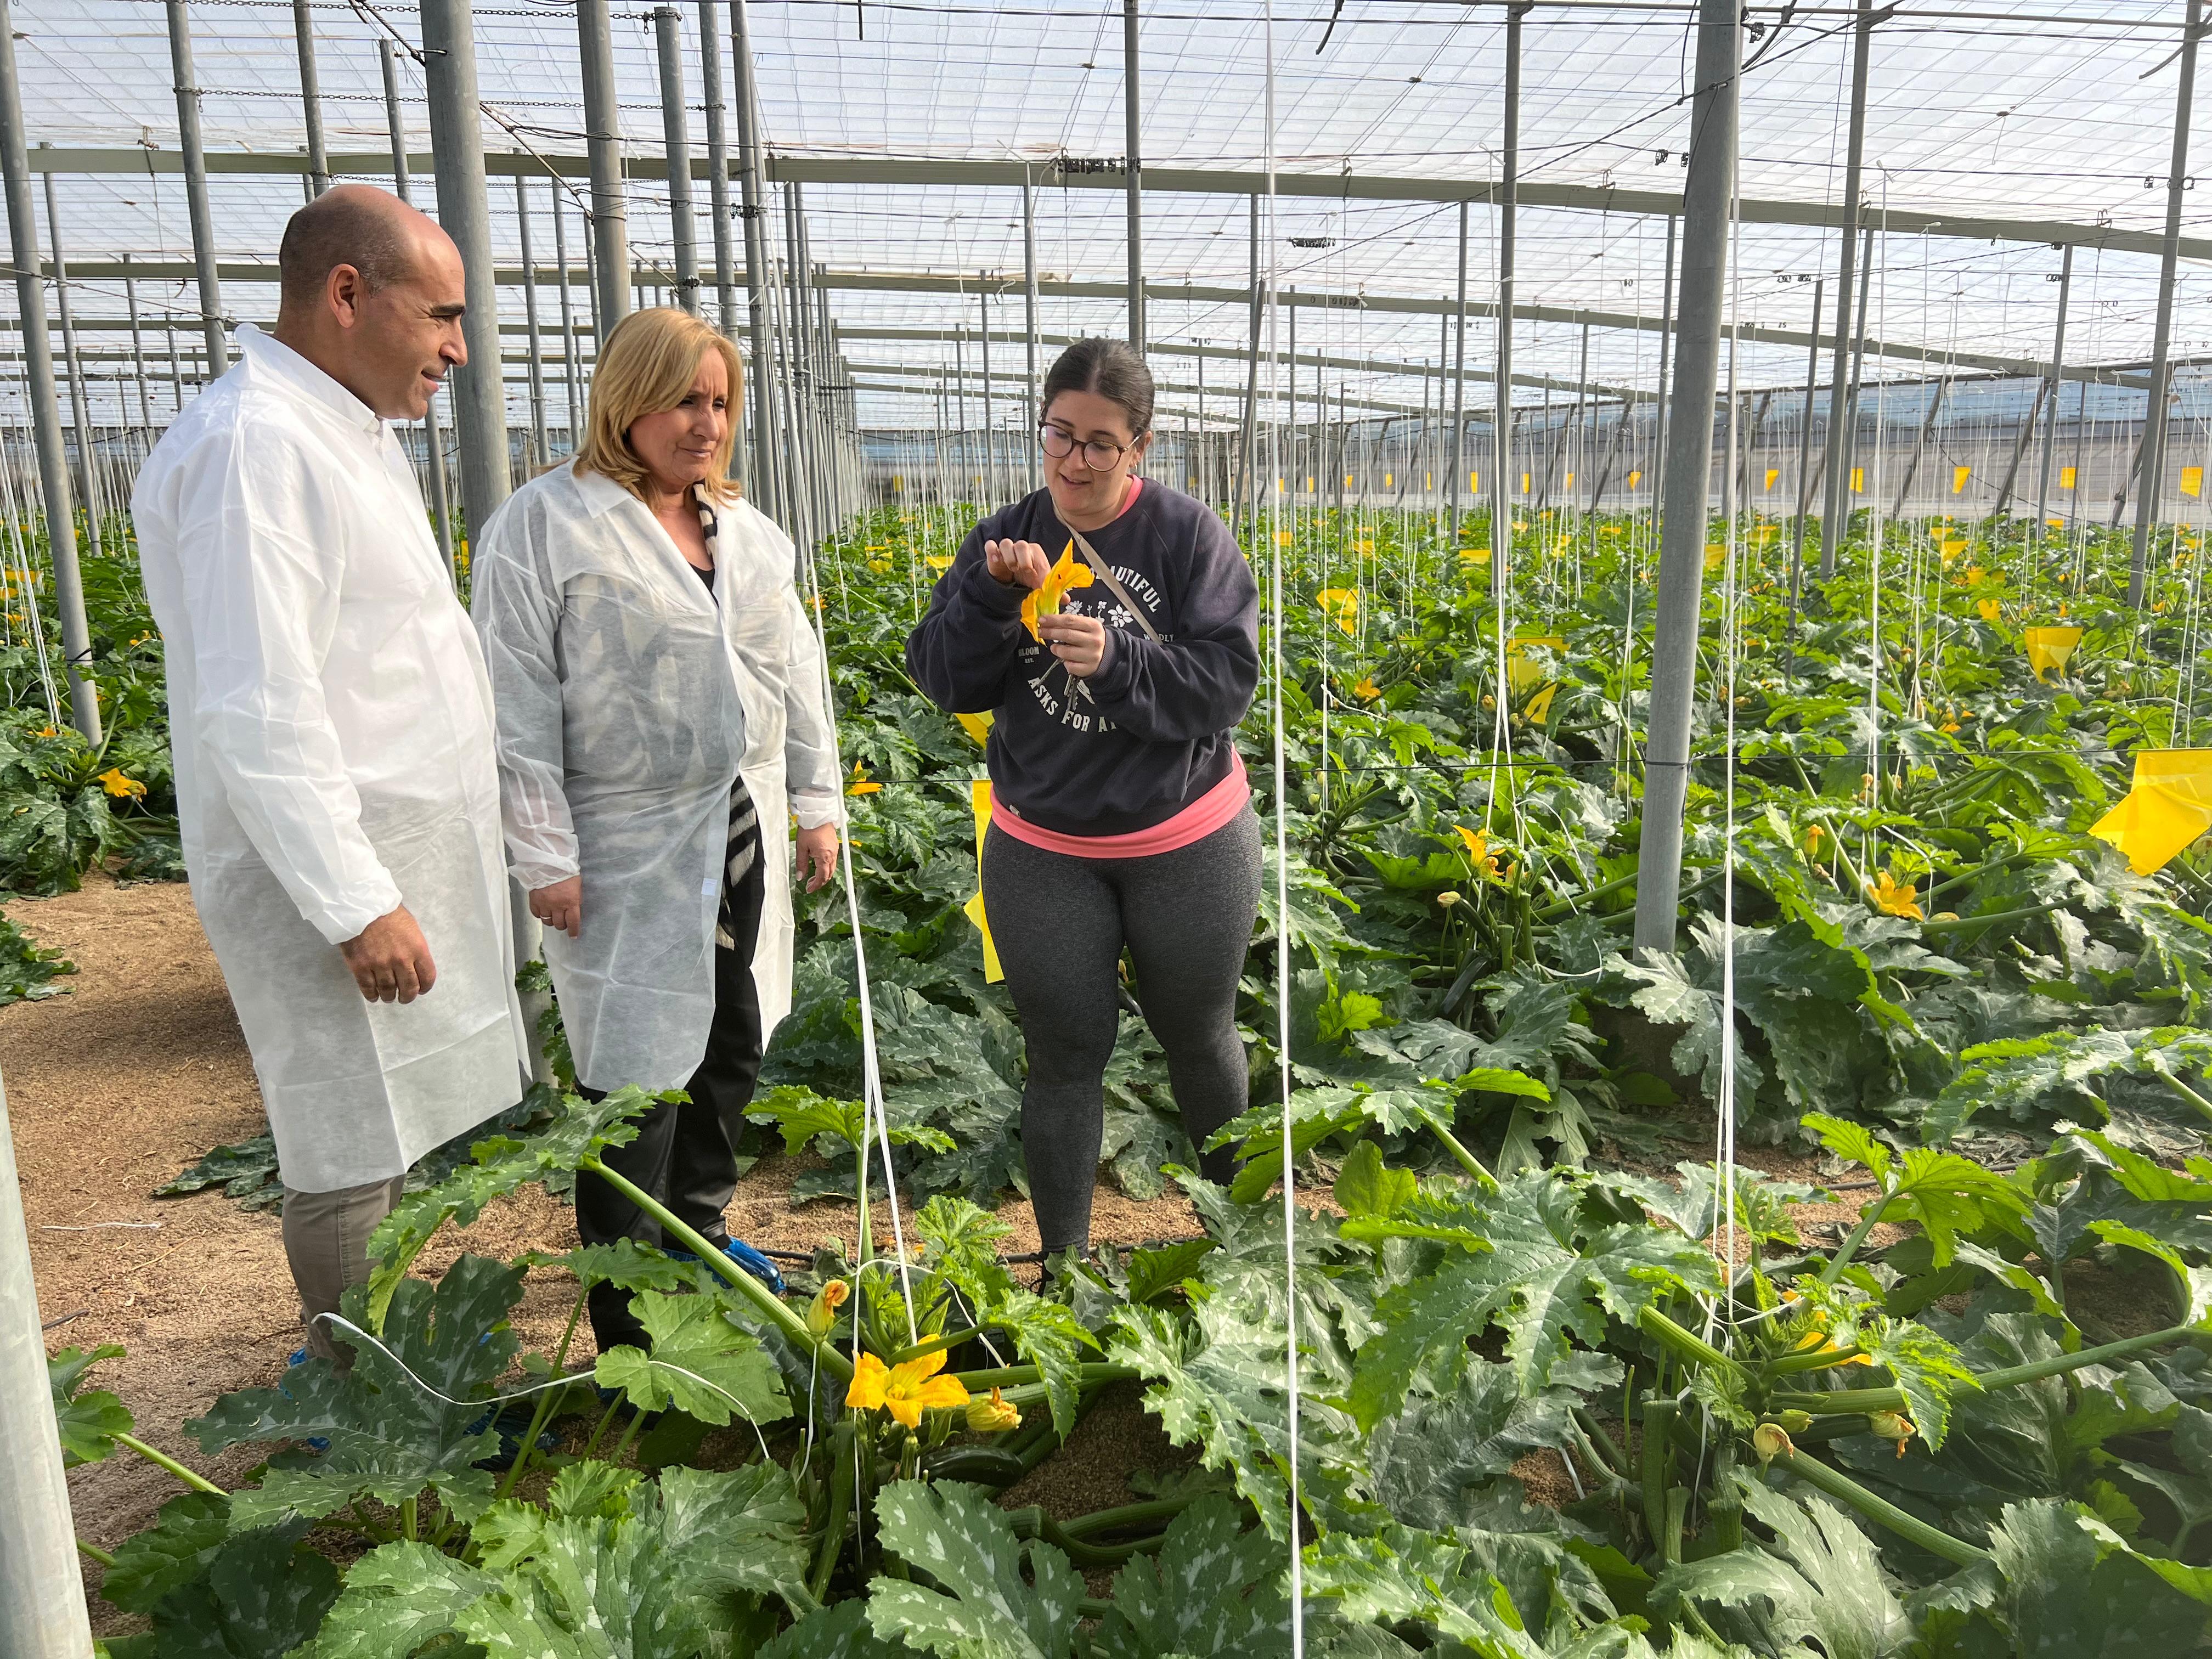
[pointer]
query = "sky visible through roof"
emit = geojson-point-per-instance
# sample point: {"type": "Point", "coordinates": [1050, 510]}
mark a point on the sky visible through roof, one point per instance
{"type": "Point", "coordinates": [2063, 111]}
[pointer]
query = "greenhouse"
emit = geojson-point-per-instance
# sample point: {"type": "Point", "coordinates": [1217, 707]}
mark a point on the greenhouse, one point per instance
{"type": "Point", "coordinates": [1457, 885]}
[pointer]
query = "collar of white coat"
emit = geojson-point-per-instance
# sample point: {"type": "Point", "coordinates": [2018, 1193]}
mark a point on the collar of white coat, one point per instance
{"type": "Point", "coordinates": [602, 495]}
{"type": "Point", "coordinates": [266, 352]}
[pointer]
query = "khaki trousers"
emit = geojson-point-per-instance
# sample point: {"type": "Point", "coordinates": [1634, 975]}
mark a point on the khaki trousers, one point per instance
{"type": "Point", "coordinates": [326, 1241]}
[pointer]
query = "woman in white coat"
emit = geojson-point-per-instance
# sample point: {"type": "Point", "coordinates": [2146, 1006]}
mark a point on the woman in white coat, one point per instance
{"type": "Point", "coordinates": [660, 720]}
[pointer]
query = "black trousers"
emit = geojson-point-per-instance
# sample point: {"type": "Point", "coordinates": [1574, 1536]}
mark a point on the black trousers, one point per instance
{"type": "Point", "coordinates": [686, 1154]}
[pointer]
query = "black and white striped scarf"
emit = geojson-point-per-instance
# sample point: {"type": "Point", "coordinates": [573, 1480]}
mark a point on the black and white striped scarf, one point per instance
{"type": "Point", "coordinates": [742, 850]}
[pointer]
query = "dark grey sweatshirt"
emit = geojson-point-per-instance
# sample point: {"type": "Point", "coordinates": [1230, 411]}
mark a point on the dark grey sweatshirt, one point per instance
{"type": "Point", "coordinates": [1153, 729]}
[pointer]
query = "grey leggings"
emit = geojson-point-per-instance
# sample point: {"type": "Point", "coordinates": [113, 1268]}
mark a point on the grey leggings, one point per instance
{"type": "Point", "coordinates": [1060, 923]}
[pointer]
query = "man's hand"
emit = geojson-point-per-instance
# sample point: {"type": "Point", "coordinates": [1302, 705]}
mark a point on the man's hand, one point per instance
{"type": "Point", "coordinates": [390, 959]}
{"type": "Point", "coordinates": [818, 856]}
{"type": "Point", "coordinates": [1079, 641]}
{"type": "Point", "coordinates": [561, 906]}
{"type": "Point", "coordinates": [1017, 564]}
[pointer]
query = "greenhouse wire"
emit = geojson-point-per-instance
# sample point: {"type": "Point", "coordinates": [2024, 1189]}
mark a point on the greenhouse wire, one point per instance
{"type": "Point", "coordinates": [1277, 745]}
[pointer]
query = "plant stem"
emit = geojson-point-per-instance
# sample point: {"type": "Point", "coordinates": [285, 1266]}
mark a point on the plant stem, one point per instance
{"type": "Point", "coordinates": [1857, 1236]}
{"type": "Point", "coordinates": [1837, 1485]}
{"type": "Point", "coordinates": [1467, 1159]}
{"type": "Point", "coordinates": [1687, 1345]}
{"type": "Point", "coordinates": [537, 1418]}
{"type": "Point", "coordinates": [162, 1459]}
{"type": "Point", "coordinates": [842, 1476]}
{"type": "Point", "coordinates": [93, 1551]}
{"type": "Point", "coordinates": [1658, 1449]}
{"type": "Point", "coordinates": [600, 1428]}
{"type": "Point", "coordinates": [764, 1301]}
{"type": "Point", "coordinates": [1005, 1376]}
{"type": "Point", "coordinates": [2183, 1092]}
{"type": "Point", "coordinates": [2012, 1376]}
{"type": "Point", "coordinates": [930, 1345]}
{"type": "Point", "coordinates": [1610, 1454]}
{"type": "Point", "coordinates": [1958, 924]}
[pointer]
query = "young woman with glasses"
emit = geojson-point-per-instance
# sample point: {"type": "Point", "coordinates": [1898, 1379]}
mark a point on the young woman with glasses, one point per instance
{"type": "Point", "coordinates": [1120, 815]}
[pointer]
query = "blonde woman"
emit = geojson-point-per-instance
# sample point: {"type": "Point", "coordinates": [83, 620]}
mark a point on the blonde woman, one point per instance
{"type": "Point", "coordinates": [660, 720]}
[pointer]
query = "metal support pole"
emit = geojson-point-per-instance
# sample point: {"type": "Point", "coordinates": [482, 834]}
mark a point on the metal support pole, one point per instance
{"type": "Point", "coordinates": [540, 454]}
{"type": "Point", "coordinates": [1852, 468]}
{"type": "Point", "coordinates": [1919, 446]}
{"type": "Point", "coordinates": [2044, 388]}
{"type": "Point", "coordinates": [196, 190]}
{"type": "Point", "coordinates": [1501, 437]}
{"type": "Point", "coordinates": [595, 44]}
{"type": "Point", "coordinates": [2154, 447]}
{"type": "Point", "coordinates": [1835, 508]}
{"type": "Point", "coordinates": [718, 168]}
{"type": "Point", "coordinates": [54, 484]}
{"type": "Point", "coordinates": [1459, 398]}
{"type": "Point", "coordinates": [434, 437]}
{"type": "Point", "coordinates": [749, 180]}
{"type": "Point", "coordinates": [1665, 362]}
{"type": "Point", "coordinates": [1248, 497]}
{"type": "Point", "coordinates": [675, 135]}
{"type": "Point", "coordinates": [990, 445]}
{"type": "Point", "coordinates": [1030, 314]}
{"type": "Point", "coordinates": [310, 99]}
{"type": "Point", "coordinates": [2051, 414]}
{"type": "Point", "coordinates": [1133, 169]}
{"type": "Point", "coordinates": [80, 404]}
{"type": "Point", "coordinates": [449, 55]}
{"type": "Point", "coordinates": [137, 350]}
{"type": "Point", "coordinates": [42, 1600]}
{"type": "Point", "coordinates": [1707, 199]}
{"type": "Point", "coordinates": [568, 348]}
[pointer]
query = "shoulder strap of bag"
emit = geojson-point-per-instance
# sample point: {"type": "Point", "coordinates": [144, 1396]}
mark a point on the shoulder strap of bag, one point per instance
{"type": "Point", "coordinates": [1114, 587]}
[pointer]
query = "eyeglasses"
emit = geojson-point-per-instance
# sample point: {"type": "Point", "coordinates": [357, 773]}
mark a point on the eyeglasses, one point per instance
{"type": "Point", "coordinates": [1099, 455]}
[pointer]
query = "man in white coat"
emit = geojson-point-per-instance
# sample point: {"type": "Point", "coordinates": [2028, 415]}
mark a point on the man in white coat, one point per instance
{"type": "Point", "coordinates": [332, 725]}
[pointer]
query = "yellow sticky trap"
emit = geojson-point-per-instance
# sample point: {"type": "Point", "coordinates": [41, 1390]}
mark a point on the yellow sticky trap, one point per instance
{"type": "Point", "coordinates": [977, 727]}
{"type": "Point", "coordinates": [1773, 473]}
{"type": "Point", "coordinates": [1634, 480]}
{"type": "Point", "coordinates": [2169, 807]}
{"type": "Point", "coordinates": [1958, 476]}
{"type": "Point", "coordinates": [1525, 484]}
{"type": "Point", "coordinates": [1340, 605]}
{"type": "Point", "coordinates": [1858, 480]}
{"type": "Point", "coordinates": [2192, 481]}
{"type": "Point", "coordinates": [938, 561]}
{"type": "Point", "coordinates": [1716, 554]}
{"type": "Point", "coordinates": [1062, 578]}
{"type": "Point", "coordinates": [1523, 677]}
{"type": "Point", "coordinates": [979, 796]}
{"type": "Point", "coordinates": [2066, 477]}
{"type": "Point", "coordinates": [2050, 648]}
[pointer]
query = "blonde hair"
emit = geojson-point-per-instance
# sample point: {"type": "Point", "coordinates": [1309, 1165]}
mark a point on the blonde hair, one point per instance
{"type": "Point", "coordinates": [647, 366]}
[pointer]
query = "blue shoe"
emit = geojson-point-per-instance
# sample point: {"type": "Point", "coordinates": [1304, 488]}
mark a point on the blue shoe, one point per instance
{"type": "Point", "coordinates": [299, 1357]}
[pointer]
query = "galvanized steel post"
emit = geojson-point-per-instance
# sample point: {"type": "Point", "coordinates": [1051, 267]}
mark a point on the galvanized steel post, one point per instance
{"type": "Point", "coordinates": [1835, 508]}
{"type": "Point", "coordinates": [567, 316]}
{"type": "Point", "coordinates": [2050, 416]}
{"type": "Point", "coordinates": [457, 159]}
{"type": "Point", "coordinates": [45, 410]}
{"type": "Point", "coordinates": [2153, 446]}
{"type": "Point", "coordinates": [768, 486]}
{"type": "Point", "coordinates": [434, 438]}
{"type": "Point", "coordinates": [1030, 315]}
{"type": "Point", "coordinates": [1133, 169]}
{"type": "Point", "coordinates": [1707, 201]}
{"type": "Point", "coordinates": [196, 190]}
{"type": "Point", "coordinates": [603, 136]}
{"type": "Point", "coordinates": [676, 138]}
{"type": "Point", "coordinates": [718, 168]}
{"type": "Point", "coordinates": [1501, 506]}
{"type": "Point", "coordinates": [80, 404]}
{"type": "Point", "coordinates": [540, 455]}
{"type": "Point", "coordinates": [310, 99]}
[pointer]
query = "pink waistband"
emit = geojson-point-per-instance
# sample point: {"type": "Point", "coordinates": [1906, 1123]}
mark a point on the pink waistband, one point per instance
{"type": "Point", "coordinates": [1208, 813]}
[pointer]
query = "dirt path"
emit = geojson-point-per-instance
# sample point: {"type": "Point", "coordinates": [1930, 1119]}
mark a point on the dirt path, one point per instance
{"type": "Point", "coordinates": [140, 1069]}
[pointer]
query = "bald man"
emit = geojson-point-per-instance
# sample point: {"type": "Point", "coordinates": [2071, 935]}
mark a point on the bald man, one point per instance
{"type": "Point", "coordinates": [332, 727]}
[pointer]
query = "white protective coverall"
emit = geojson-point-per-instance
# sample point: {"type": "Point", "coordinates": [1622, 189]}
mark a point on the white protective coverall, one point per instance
{"type": "Point", "coordinates": [629, 699]}
{"type": "Point", "coordinates": [332, 727]}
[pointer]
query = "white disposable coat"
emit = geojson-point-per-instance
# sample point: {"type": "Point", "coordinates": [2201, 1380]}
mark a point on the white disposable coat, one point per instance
{"type": "Point", "coordinates": [628, 700]}
{"type": "Point", "coordinates": [331, 723]}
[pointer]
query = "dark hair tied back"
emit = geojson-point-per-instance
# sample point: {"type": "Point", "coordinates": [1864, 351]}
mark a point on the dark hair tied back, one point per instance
{"type": "Point", "coordinates": [1110, 368]}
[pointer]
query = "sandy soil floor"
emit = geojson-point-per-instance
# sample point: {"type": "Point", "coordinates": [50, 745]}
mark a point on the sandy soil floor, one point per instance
{"type": "Point", "coordinates": [140, 1069]}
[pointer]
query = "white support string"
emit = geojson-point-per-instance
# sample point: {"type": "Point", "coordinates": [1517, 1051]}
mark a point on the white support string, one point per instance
{"type": "Point", "coordinates": [355, 1334]}
{"type": "Point", "coordinates": [873, 1113]}
{"type": "Point", "coordinates": [1282, 882]}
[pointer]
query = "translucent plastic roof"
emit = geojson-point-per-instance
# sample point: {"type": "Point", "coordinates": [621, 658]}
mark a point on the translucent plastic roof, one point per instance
{"type": "Point", "coordinates": [2063, 113]}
